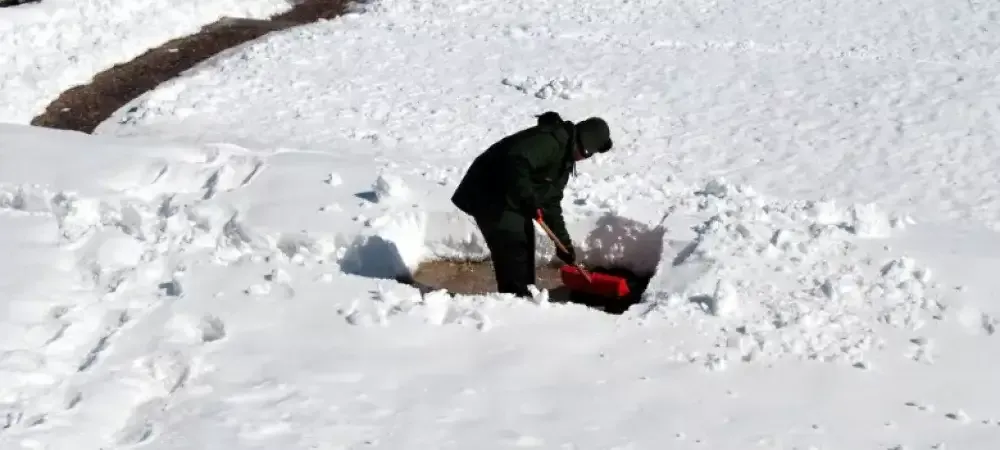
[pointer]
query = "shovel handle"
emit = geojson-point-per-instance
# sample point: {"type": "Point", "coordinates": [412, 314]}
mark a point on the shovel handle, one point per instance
{"type": "Point", "coordinates": [562, 247]}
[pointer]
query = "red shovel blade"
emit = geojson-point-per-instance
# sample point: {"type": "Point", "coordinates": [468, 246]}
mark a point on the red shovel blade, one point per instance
{"type": "Point", "coordinates": [600, 283]}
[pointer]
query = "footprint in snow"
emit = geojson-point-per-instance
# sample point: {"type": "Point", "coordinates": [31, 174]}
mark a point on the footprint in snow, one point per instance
{"type": "Point", "coordinates": [141, 425]}
{"type": "Point", "coordinates": [922, 407]}
{"type": "Point", "coordinates": [333, 179]}
{"type": "Point", "coordinates": [989, 324]}
{"type": "Point", "coordinates": [922, 351]}
{"type": "Point", "coordinates": [195, 331]}
{"type": "Point", "coordinates": [277, 278]}
{"type": "Point", "coordinates": [43, 334]}
{"type": "Point", "coordinates": [21, 361]}
{"type": "Point", "coordinates": [169, 369]}
{"type": "Point", "coordinates": [111, 323]}
{"type": "Point", "coordinates": [212, 329]}
{"type": "Point", "coordinates": [959, 415]}
{"type": "Point", "coordinates": [72, 398]}
{"type": "Point", "coordinates": [267, 393]}
{"type": "Point", "coordinates": [257, 432]}
{"type": "Point", "coordinates": [95, 351]}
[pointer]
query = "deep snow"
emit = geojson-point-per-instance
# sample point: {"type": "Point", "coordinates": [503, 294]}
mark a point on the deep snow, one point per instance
{"type": "Point", "coordinates": [200, 294]}
{"type": "Point", "coordinates": [220, 273]}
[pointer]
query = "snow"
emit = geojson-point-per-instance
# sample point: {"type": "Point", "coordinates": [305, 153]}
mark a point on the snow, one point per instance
{"type": "Point", "coordinates": [812, 195]}
{"type": "Point", "coordinates": [53, 45]}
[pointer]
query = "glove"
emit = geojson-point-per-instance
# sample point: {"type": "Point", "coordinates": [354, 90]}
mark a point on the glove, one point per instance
{"type": "Point", "coordinates": [568, 258]}
{"type": "Point", "coordinates": [531, 211]}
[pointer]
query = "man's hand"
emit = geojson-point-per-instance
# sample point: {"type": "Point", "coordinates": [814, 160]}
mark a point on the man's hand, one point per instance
{"type": "Point", "coordinates": [568, 258]}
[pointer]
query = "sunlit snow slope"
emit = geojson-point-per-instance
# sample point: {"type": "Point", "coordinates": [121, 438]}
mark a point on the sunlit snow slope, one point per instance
{"type": "Point", "coordinates": [895, 102]}
{"type": "Point", "coordinates": [810, 186]}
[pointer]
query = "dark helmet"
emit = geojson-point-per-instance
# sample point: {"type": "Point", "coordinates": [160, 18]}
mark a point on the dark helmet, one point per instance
{"type": "Point", "coordinates": [594, 135]}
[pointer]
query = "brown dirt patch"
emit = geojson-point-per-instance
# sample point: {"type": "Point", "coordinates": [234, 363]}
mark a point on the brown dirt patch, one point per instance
{"type": "Point", "coordinates": [84, 107]}
{"type": "Point", "coordinates": [476, 277]}
{"type": "Point", "coordinates": [6, 3]}
{"type": "Point", "coordinates": [473, 277]}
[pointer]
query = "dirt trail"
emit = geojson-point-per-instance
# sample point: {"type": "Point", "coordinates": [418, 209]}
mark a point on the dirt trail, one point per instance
{"type": "Point", "coordinates": [8, 3]}
{"type": "Point", "coordinates": [84, 107]}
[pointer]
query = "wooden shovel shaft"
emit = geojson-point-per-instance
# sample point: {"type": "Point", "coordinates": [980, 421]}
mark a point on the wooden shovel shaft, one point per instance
{"type": "Point", "coordinates": [552, 236]}
{"type": "Point", "coordinates": [562, 247]}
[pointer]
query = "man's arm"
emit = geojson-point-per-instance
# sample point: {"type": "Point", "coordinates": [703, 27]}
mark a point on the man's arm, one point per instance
{"type": "Point", "coordinates": [553, 217]}
{"type": "Point", "coordinates": [523, 160]}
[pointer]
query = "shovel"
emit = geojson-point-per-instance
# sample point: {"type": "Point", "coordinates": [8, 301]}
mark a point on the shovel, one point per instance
{"type": "Point", "coordinates": [575, 278]}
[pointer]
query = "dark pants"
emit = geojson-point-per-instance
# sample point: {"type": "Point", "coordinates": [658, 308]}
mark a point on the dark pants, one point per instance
{"type": "Point", "coordinates": [513, 255]}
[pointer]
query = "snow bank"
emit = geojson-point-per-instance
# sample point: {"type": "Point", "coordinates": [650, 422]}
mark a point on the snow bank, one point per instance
{"type": "Point", "coordinates": [398, 243]}
{"type": "Point", "coordinates": [773, 278]}
{"type": "Point", "coordinates": [762, 278]}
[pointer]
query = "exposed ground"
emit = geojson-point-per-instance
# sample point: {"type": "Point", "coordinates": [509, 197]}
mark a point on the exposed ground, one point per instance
{"type": "Point", "coordinates": [6, 3]}
{"type": "Point", "coordinates": [475, 277]}
{"type": "Point", "coordinates": [84, 107]}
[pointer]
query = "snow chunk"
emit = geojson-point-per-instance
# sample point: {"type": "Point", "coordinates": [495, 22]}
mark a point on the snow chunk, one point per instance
{"type": "Point", "coordinates": [334, 179]}
{"type": "Point", "coordinates": [560, 87]}
{"type": "Point", "coordinates": [724, 301]}
{"type": "Point", "coordinates": [397, 301]}
{"type": "Point", "coordinates": [394, 249]}
{"type": "Point", "coordinates": [437, 307]}
{"type": "Point", "coordinates": [119, 252]}
{"type": "Point", "coordinates": [397, 243]}
{"type": "Point", "coordinates": [389, 187]}
{"type": "Point", "coordinates": [867, 220]}
{"type": "Point", "coordinates": [110, 259]}
{"type": "Point", "coordinates": [27, 198]}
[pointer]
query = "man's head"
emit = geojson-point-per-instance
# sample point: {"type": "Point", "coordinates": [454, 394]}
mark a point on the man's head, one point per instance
{"type": "Point", "coordinates": [593, 136]}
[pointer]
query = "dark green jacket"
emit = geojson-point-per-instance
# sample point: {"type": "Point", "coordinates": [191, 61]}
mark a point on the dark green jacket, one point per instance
{"type": "Point", "coordinates": [530, 167]}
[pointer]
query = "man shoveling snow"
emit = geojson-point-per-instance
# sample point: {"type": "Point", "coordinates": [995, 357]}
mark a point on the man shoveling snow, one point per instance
{"type": "Point", "coordinates": [520, 178]}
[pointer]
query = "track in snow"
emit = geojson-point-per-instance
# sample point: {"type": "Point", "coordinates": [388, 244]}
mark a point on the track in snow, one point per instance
{"type": "Point", "coordinates": [99, 346]}
{"type": "Point", "coordinates": [84, 107]}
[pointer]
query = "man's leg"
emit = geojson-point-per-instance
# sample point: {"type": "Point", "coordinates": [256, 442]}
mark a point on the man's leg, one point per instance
{"type": "Point", "coordinates": [528, 255]}
{"type": "Point", "coordinates": [513, 256]}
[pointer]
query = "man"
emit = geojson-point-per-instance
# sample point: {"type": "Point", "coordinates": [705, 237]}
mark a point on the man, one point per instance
{"type": "Point", "coordinates": [521, 178]}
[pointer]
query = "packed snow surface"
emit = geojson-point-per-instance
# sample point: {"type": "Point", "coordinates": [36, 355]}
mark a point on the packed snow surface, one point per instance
{"type": "Point", "coordinates": [811, 189]}
{"type": "Point", "coordinates": [889, 102]}
{"type": "Point", "coordinates": [53, 45]}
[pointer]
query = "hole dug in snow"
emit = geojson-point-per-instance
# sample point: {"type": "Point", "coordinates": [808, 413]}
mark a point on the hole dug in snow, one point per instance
{"type": "Point", "coordinates": [434, 251]}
